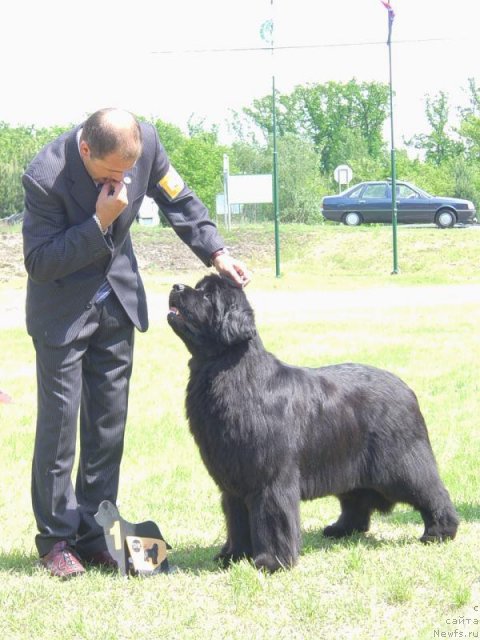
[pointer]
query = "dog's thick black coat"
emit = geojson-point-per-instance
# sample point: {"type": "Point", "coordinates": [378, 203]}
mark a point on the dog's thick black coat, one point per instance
{"type": "Point", "coordinates": [271, 434]}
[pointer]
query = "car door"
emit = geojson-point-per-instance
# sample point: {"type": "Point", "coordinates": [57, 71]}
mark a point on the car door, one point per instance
{"type": "Point", "coordinates": [411, 206]}
{"type": "Point", "coordinates": [374, 204]}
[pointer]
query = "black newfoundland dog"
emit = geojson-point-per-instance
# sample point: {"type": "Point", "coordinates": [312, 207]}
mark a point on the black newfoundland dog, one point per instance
{"type": "Point", "coordinates": [272, 434]}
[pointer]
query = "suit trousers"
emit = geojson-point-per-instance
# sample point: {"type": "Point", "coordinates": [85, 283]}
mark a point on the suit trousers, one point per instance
{"type": "Point", "coordinates": [90, 376]}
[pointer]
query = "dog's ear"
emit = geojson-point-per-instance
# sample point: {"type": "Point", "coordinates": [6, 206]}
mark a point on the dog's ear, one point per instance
{"type": "Point", "coordinates": [238, 325]}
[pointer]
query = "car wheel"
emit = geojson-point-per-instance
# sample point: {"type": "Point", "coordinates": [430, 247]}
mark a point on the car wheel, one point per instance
{"type": "Point", "coordinates": [352, 219]}
{"type": "Point", "coordinates": [445, 219]}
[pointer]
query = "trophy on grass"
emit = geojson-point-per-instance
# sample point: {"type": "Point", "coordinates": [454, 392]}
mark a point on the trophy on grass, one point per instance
{"type": "Point", "coordinates": [139, 549]}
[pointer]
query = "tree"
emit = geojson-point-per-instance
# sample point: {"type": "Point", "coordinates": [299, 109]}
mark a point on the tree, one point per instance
{"type": "Point", "coordinates": [326, 115]}
{"type": "Point", "coordinates": [301, 183]}
{"type": "Point", "coordinates": [18, 145]}
{"type": "Point", "coordinates": [438, 145]}
{"type": "Point", "coordinates": [300, 180]}
{"type": "Point", "coordinates": [200, 162]}
{"type": "Point", "coordinates": [470, 123]}
{"type": "Point", "coordinates": [197, 157]}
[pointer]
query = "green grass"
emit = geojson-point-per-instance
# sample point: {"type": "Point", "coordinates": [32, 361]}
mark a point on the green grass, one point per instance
{"type": "Point", "coordinates": [340, 256]}
{"type": "Point", "coordinates": [384, 585]}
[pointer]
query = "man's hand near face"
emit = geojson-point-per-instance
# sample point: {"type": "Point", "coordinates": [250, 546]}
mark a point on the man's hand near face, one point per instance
{"type": "Point", "coordinates": [111, 201]}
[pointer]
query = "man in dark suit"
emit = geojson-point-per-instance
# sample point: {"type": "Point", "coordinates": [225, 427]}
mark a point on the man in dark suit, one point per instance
{"type": "Point", "coordinates": [84, 297]}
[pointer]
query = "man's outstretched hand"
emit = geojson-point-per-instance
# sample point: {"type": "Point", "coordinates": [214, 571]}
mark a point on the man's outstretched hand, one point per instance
{"type": "Point", "coordinates": [227, 265]}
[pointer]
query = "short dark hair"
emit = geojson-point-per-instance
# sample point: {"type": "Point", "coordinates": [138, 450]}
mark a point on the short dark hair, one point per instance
{"type": "Point", "coordinates": [113, 131]}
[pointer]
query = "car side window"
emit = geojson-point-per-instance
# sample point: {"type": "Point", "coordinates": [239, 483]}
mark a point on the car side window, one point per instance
{"type": "Point", "coordinates": [375, 191]}
{"type": "Point", "coordinates": [356, 192]}
{"type": "Point", "coordinates": [406, 192]}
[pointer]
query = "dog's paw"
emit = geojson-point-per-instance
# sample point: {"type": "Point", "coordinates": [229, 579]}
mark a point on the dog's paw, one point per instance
{"type": "Point", "coordinates": [226, 558]}
{"type": "Point", "coordinates": [335, 531]}
{"type": "Point", "coordinates": [332, 531]}
{"type": "Point", "coordinates": [445, 528]}
{"type": "Point", "coordinates": [269, 563]}
{"type": "Point", "coordinates": [429, 537]}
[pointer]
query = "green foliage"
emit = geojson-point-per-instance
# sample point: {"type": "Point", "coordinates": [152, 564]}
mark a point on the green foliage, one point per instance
{"type": "Point", "coordinates": [250, 158]}
{"type": "Point", "coordinates": [470, 124]}
{"type": "Point", "coordinates": [434, 179]}
{"type": "Point", "coordinates": [197, 157]}
{"type": "Point", "coordinates": [319, 126]}
{"type": "Point", "coordinates": [301, 184]}
{"type": "Point", "coordinates": [201, 166]}
{"type": "Point", "coordinates": [364, 167]}
{"type": "Point", "coordinates": [335, 117]}
{"type": "Point", "coordinates": [456, 177]}
{"type": "Point", "coordinates": [438, 145]}
{"type": "Point", "coordinates": [11, 193]}
{"type": "Point", "coordinates": [470, 130]}
{"type": "Point", "coordinates": [467, 180]}
{"type": "Point", "coordinates": [18, 145]}
{"type": "Point", "coordinates": [172, 138]}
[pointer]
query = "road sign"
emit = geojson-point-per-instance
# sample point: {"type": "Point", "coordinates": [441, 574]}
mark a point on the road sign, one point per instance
{"type": "Point", "coordinates": [343, 174]}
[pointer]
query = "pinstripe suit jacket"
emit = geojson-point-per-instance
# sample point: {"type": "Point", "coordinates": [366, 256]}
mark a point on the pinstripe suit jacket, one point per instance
{"type": "Point", "coordinates": [66, 255]}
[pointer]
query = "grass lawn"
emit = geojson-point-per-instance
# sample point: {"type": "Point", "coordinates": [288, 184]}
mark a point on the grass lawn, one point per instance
{"type": "Point", "coordinates": [336, 301]}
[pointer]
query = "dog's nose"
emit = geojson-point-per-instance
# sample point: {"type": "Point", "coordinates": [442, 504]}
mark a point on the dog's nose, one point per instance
{"type": "Point", "coordinates": [178, 287]}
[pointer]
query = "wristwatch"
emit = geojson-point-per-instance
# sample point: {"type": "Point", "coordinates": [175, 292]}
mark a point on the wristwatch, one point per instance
{"type": "Point", "coordinates": [219, 252]}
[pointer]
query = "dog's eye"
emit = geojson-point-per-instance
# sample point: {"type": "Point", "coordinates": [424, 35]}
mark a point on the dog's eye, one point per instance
{"type": "Point", "coordinates": [207, 295]}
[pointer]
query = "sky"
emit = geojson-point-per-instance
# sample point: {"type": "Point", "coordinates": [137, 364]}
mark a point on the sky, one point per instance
{"type": "Point", "coordinates": [63, 60]}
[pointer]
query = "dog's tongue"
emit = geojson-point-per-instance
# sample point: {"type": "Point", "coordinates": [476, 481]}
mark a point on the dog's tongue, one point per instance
{"type": "Point", "coordinates": [174, 310]}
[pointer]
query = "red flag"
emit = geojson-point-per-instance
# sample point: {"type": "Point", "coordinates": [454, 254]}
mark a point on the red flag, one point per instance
{"type": "Point", "coordinates": [387, 5]}
{"type": "Point", "coordinates": [391, 16]}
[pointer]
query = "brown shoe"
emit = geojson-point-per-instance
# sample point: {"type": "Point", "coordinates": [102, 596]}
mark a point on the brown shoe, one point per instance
{"type": "Point", "coordinates": [62, 561]}
{"type": "Point", "coordinates": [100, 559]}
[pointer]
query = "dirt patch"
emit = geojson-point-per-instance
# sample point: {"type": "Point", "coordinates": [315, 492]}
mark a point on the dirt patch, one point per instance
{"type": "Point", "coordinates": [11, 256]}
{"type": "Point", "coordinates": [152, 253]}
{"type": "Point", "coordinates": [162, 250]}
{"type": "Point", "coordinates": [156, 250]}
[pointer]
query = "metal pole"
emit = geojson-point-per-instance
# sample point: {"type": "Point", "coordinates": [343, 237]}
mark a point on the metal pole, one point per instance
{"type": "Point", "coordinates": [226, 200]}
{"type": "Point", "coordinates": [266, 33]}
{"type": "Point", "coordinates": [276, 211]}
{"type": "Point", "coordinates": [275, 182]}
{"type": "Point", "coordinates": [392, 153]}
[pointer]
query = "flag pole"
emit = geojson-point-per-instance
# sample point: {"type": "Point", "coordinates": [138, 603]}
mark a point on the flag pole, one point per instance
{"type": "Point", "coordinates": [276, 211]}
{"type": "Point", "coordinates": [266, 33]}
{"type": "Point", "coordinates": [391, 16]}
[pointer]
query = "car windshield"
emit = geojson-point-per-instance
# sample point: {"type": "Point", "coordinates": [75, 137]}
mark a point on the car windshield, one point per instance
{"type": "Point", "coordinates": [405, 190]}
{"type": "Point", "coordinates": [424, 194]}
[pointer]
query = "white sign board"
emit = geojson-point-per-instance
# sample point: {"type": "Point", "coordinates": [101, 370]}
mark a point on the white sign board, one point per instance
{"type": "Point", "coordinates": [250, 189]}
{"type": "Point", "coordinates": [343, 174]}
{"type": "Point", "coordinates": [148, 213]}
{"type": "Point", "coordinates": [220, 208]}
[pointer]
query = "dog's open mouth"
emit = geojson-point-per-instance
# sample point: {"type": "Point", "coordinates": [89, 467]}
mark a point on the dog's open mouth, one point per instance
{"type": "Point", "coordinates": [174, 311]}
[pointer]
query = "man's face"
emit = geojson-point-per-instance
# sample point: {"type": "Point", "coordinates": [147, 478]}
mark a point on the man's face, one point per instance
{"type": "Point", "coordinates": [111, 168]}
